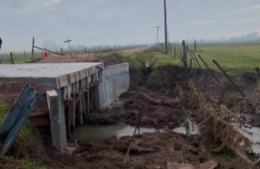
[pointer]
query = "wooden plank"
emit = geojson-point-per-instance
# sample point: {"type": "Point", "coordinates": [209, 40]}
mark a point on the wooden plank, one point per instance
{"type": "Point", "coordinates": [88, 101]}
{"type": "Point", "coordinates": [62, 81]}
{"type": "Point", "coordinates": [65, 92]}
{"type": "Point", "coordinates": [84, 105]}
{"type": "Point", "coordinates": [77, 80]}
{"type": "Point", "coordinates": [68, 126]}
{"type": "Point", "coordinates": [72, 78]}
{"type": "Point", "coordinates": [92, 99]}
{"type": "Point", "coordinates": [80, 109]}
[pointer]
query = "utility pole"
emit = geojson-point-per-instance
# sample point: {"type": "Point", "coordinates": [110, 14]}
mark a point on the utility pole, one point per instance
{"type": "Point", "coordinates": [165, 28]}
{"type": "Point", "coordinates": [168, 36]}
{"type": "Point", "coordinates": [157, 40]}
{"type": "Point", "coordinates": [68, 41]}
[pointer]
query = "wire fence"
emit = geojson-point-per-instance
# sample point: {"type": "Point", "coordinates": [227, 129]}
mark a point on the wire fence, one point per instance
{"type": "Point", "coordinates": [26, 56]}
{"type": "Point", "coordinates": [240, 93]}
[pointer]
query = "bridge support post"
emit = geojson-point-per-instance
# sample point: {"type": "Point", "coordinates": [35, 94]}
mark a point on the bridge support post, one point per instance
{"type": "Point", "coordinates": [57, 118]}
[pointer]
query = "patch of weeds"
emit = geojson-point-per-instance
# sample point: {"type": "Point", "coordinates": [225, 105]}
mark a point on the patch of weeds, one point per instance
{"type": "Point", "coordinates": [28, 135]}
{"type": "Point", "coordinates": [205, 159]}
{"type": "Point", "coordinates": [4, 108]}
{"type": "Point", "coordinates": [230, 102]}
{"type": "Point", "coordinates": [226, 154]}
{"type": "Point", "coordinates": [29, 163]}
{"type": "Point", "coordinates": [186, 125]}
{"type": "Point", "coordinates": [189, 97]}
{"type": "Point", "coordinates": [131, 59]}
{"type": "Point", "coordinates": [155, 81]}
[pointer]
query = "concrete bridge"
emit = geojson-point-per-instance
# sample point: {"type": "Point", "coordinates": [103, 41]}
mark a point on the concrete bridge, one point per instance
{"type": "Point", "coordinates": [77, 90]}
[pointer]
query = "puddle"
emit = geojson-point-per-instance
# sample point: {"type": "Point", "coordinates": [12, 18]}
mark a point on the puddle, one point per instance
{"type": "Point", "coordinates": [252, 133]}
{"type": "Point", "coordinates": [192, 130]}
{"type": "Point", "coordinates": [90, 132]}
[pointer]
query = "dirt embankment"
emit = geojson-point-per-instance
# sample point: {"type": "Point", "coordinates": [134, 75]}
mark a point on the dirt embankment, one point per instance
{"type": "Point", "coordinates": [106, 58]}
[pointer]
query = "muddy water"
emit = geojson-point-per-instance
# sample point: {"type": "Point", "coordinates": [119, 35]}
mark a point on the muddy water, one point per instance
{"type": "Point", "coordinates": [90, 132]}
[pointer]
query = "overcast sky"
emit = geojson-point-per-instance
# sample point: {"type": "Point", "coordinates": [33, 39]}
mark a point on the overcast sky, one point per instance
{"type": "Point", "coordinates": [109, 22]}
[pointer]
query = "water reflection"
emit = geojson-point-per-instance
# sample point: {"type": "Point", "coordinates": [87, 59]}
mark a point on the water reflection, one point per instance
{"type": "Point", "coordinates": [252, 133]}
{"type": "Point", "coordinates": [88, 132]}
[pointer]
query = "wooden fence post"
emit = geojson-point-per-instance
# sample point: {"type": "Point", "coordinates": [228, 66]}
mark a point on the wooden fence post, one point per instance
{"type": "Point", "coordinates": [33, 48]}
{"type": "Point", "coordinates": [195, 46]}
{"type": "Point", "coordinates": [184, 55]}
{"type": "Point", "coordinates": [24, 56]}
{"type": "Point", "coordinates": [174, 49]}
{"type": "Point", "coordinates": [12, 58]}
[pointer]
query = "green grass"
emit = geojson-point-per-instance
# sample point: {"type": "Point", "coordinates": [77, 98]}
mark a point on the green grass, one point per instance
{"type": "Point", "coordinates": [235, 58]}
{"type": "Point", "coordinates": [19, 57]}
{"type": "Point", "coordinates": [28, 133]}
{"type": "Point", "coordinates": [227, 155]}
{"type": "Point", "coordinates": [29, 163]}
{"type": "Point", "coordinates": [28, 137]}
{"type": "Point", "coordinates": [149, 56]}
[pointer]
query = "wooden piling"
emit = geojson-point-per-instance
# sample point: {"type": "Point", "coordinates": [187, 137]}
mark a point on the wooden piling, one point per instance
{"type": "Point", "coordinates": [79, 108]}
{"type": "Point", "coordinates": [72, 112]}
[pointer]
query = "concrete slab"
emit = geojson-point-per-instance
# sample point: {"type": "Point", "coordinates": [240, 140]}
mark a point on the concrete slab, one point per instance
{"type": "Point", "coordinates": [48, 73]}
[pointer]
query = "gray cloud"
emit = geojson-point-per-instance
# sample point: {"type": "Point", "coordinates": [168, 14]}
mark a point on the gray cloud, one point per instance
{"type": "Point", "coordinates": [109, 22]}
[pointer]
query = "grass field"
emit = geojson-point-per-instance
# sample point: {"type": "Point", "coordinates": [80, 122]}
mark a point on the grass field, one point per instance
{"type": "Point", "coordinates": [19, 57]}
{"type": "Point", "coordinates": [235, 58]}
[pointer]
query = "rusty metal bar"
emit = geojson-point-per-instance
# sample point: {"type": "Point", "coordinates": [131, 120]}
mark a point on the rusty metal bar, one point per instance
{"type": "Point", "coordinates": [229, 78]}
